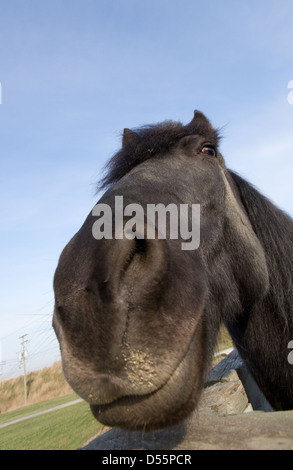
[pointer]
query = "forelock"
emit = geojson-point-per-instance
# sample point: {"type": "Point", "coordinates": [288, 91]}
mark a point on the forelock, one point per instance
{"type": "Point", "coordinates": [147, 141]}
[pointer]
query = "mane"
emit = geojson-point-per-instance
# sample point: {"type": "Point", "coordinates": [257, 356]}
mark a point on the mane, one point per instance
{"type": "Point", "coordinates": [148, 141]}
{"type": "Point", "coordinates": [274, 229]}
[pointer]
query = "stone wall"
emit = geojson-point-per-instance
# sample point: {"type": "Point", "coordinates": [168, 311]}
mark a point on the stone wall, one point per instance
{"type": "Point", "coordinates": [232, 414]}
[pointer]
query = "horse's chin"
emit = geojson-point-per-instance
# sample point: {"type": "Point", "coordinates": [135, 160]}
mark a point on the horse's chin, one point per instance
{"type": "Point", "coordinates": [164, 407]}
{"type": "Point", "coordinates": [134, 413]}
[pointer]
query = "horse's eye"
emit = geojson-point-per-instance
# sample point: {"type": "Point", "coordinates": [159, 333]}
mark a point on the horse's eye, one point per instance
{"type": "Point", "coordinates": [209, 150]}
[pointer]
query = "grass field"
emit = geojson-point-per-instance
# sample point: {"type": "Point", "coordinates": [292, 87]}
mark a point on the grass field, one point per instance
{"type": "Point", "coordinates": [65, 429]}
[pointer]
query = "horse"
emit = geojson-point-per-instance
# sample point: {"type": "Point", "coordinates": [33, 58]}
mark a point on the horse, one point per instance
{"type": "Point", "coordinates": [137, 317]}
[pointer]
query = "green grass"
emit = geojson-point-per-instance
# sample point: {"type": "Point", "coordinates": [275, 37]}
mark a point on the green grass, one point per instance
{"type": "Point", "coordinates": [64, 429]}
{"type": "Point", "coordinates": [30, 409]}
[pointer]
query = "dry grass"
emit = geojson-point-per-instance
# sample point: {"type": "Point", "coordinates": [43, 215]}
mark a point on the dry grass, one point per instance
{"type": "Point", "coordinates": [42, 385]}
{"type": "Point", "coordinates": [224, 340]}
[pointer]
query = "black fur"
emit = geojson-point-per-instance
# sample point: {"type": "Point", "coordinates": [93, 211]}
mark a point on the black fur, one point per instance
{"type": "Point", "coordinates": [263, 333]}
{"type": "Point", "coordinates": [148, 141]}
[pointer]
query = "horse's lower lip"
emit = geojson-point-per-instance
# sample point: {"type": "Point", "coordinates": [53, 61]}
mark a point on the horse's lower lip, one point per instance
{"type": "Point", "coordinates": [122, 401]}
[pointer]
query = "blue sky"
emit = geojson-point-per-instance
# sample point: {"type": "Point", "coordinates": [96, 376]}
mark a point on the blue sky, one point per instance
{"type": "Point", "coordinates": [75, 73]}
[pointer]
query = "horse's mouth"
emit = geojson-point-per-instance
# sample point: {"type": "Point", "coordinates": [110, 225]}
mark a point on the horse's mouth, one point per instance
{"type": "Point", "coordinates": [136, 412]}
{"type": "Point", "coordinates": [167, 405]}
{"type": "Point", "coordinates": [129, 401]}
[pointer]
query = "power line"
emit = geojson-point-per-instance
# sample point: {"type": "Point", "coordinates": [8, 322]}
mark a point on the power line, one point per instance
{"type": "Point", "coordinates": [42, 340]}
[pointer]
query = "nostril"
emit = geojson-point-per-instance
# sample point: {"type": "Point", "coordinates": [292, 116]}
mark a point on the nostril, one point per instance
{"type": "Point", "coordinates": [128, 266]}
{"type": "Point", "coordinates": [136, 256]}
{"type": "Point", "coordinates": [144, 269]}
{"type": "Point", "coordinates": [140, 246]}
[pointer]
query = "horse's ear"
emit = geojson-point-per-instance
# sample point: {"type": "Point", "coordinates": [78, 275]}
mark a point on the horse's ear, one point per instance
{"type": "Point", "coordinates": [129, 137]}
{"type": "Point", "coordinates": [201, 125]}
{"type": "Point", "coordinates": [199, 116]}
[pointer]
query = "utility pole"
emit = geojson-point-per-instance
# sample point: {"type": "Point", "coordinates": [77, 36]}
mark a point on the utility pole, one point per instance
{"type": "Point", "coordinates": [1, 368]}
{"type": "Point", "coordinates": [22, 356]}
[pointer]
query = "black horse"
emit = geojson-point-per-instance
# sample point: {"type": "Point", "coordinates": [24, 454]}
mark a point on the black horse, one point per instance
{"type": "Point", "coordinates": [137, 318]}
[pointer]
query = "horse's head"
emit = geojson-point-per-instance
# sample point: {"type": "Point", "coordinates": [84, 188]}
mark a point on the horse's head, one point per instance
{"type": "Point", "coordinates": [139, 298]}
